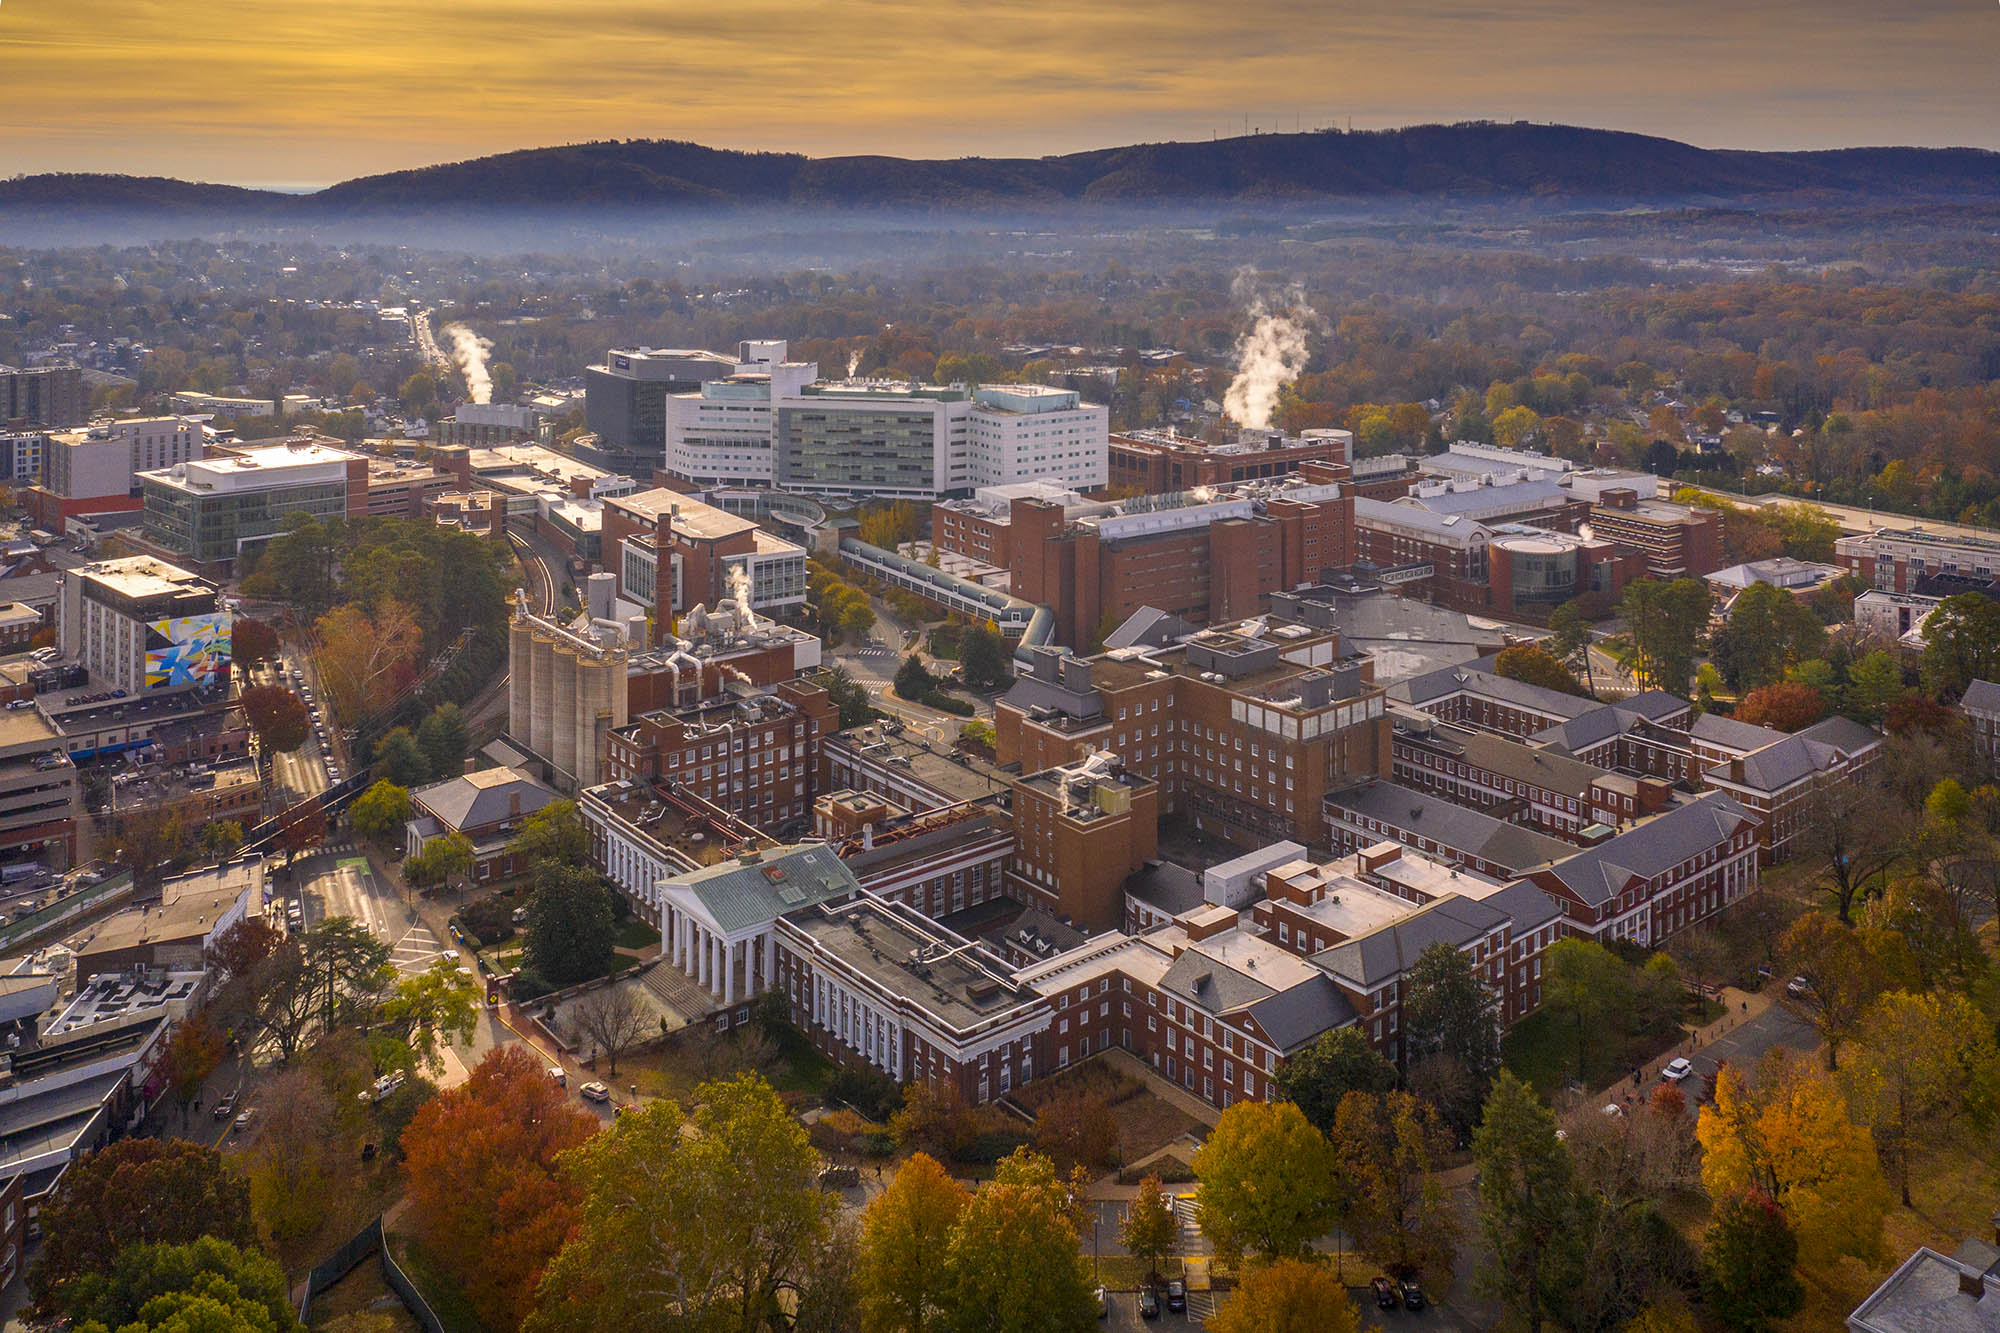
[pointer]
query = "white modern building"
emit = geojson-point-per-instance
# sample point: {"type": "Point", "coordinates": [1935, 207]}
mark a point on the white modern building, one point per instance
{"type": "Point", "coordinates": [776, 424]}
{"type": "Point", "coordinates": [210, 509]}
{"type": "Point", "coordinates": [21, 456]}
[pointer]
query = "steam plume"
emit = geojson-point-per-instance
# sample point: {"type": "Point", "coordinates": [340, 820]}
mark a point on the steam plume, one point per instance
{"type": "Point", "coordinates": [1271, 354]}
{"type": "Point", "coordinates": [739, 594]}
{"type": "Point", "coordinates": [469, 350]}
{"type": "Point", "coordinates": [853, 363]}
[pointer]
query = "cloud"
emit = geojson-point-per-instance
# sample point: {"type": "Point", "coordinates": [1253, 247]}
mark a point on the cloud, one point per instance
{"type": "Point", "coordinates": [232, 90]}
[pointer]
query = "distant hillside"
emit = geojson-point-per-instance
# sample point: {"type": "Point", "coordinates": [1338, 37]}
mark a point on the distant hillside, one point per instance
{"type": "Point", "coordinates": [1467, 162]}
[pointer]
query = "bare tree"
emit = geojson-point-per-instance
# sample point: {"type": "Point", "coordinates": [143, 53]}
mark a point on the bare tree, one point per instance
{"type": "Point", "coordinates": [614, 1020]}
{"type": "Point", "coordinates": [1849, 833]}
{"type": "Point", "coordinates": [1701, 954]}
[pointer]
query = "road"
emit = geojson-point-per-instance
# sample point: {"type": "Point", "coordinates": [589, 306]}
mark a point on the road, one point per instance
{"type": "Point", "coordinates": [1857, 518]}
{"type": "Point", "coordinates": [427, 347]}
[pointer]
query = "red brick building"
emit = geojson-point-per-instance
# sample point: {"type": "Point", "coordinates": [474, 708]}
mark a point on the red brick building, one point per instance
{"type": "Point", "coordinates": [1162, 462]}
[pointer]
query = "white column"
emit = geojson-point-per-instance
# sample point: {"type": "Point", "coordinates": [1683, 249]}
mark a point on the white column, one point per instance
{"type": "Point", "coordinates": [707, 948]}
{"type": "Point", "coordinates": [728, 972]}
{"type": "Point", "coordinates": [771, 957]}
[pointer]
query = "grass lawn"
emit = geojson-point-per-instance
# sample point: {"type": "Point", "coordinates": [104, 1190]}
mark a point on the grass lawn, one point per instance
{"type": "Point", "coordinates": [1541, 1050]}
{"type": "Point", "coordinates": [446, 1300]}
{"type": "Point", "coordinates": [636, 934]}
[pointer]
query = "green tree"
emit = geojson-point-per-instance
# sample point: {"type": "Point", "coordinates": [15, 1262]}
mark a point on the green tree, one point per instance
{"type": "Point", "coordinates": [1397, 1210]}
{"type": "Point", "coordinates": [1334, 1064]}
{"type": "Point", "coordinates": [1016, 1224]}
{"type": "Point", "coordinates": [711, 1213]}
{"type": "Point", "coordinates": [570, 925]}
{"type": "Point", "coordinates": [1750, 1253]}
{"type": "Point", "coordinates": [206, 1285]}
{"type": "Point", "coordinates": [134, 1192]}
{"type": "Point", "coordinates": [443, 737]}
{"type": "Point", "coordinates": [1588, 984]}
{"type": "Point", "coordinates": [399, 759]}
{"type": "Point", "coordinates": [905, 1283]}
{"type": "Point", "coordinates": [553, 835]}
{"type": "Point", "coordinates": [418, 393]}
{"type": "Point", "coordinates": [1536, 1222]}
{"type": "Point", "coordinates": [381, 811]}
{"type": "Point", "coordinates": [913, 681]}
{"type": "Point", "coordinates": [849, 696]}
{"type": "Point", "coordinates": [440, 860]}
{"type": "Point", "coordinates": [1665, 621]}
{"type": "Point", "coordinates": [1266, 1181]}
{"type": "Point", "coordinates": [1961, 644]}
{"type": "Point", "coordinates": [1532, 665]}
{"type": "Point", "coordinates": [1569, 641]}
{"type": "Point", "coordinates": [220, 838]}
{"type": "Point", "coordinates": [1768, 630]}
{"type": "Point", "coordinates": [432, 1009]}
{"type": "Point", "coordinates": [1449, 1044]}
{"type": "Point", "coordinates": [982, 654]}
{"type": "Point", "coordinates": [1874, 681]}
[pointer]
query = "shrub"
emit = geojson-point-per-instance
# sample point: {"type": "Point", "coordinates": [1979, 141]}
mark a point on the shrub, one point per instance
{"type": "Point", "coordinates": [945, 703]}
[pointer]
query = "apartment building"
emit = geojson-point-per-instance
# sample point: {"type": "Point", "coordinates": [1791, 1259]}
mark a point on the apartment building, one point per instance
{"type": "Point", "coordinates": [1363, 814]}
{"type": "Point", "coordinates": [21, 453]}
{"type": "Point", "coordinates": [1655, 880]}
{"type": "Point", "coordinates": [1895, 559]}
{"type": "Point", "coordinates": [1245, 727]}
{"type": "Point", "coordinates": [94, 470]}
{"type": "Point", "coordinates": [711, 557]}
{"type": "Point", "coordinates": [1981, 706]}
{"type": "Point", "coordinates": [1162, 462]}
{"type": "Point", "coordinates": [1778, 782]}
{"type": "Point", "coordinates": [625, 402]}
{"type": "Point", "coordinates": [40, 798]}
{"type": "Point", "coordinates": [1678, 541]}
{"type": "Point", "coordinates": [52, 397]}
{"type": "Point", "coordinates": [140, 625]}
{"type": "Point", "coordinates": [942, 861]}
{"type": "Point", "coordinates": [1550, 792]}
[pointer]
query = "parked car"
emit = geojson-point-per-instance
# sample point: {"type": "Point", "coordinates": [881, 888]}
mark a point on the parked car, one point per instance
{"type": "Point", "coordinates": [556, 1074]}
{"type": "Point", "coordinates": [1677, 1069]}
{"type": "Point", "coordinates": [594, 1091]}
{"type": "Point", "coordinates": [1177, 1295]}
{"type": "Point", "coordinates": [1413, 1295]}
{"type": "Point", "coordinates": [1385, 1292]}
{"type": "Point", "coordinates": [1149, 1303]}
{"type": "Point", "coordinates": [226, 1107]}
{"type": "Point", "coordinates": [1797, 987]}
{"type": "Point", "coordinates": [245, 1120]}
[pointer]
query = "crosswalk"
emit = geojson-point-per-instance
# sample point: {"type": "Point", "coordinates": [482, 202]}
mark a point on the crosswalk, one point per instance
{"type": "Point", "coordinates": [877, 652]}
{"type": "Point", "coordinates": [416, 950]}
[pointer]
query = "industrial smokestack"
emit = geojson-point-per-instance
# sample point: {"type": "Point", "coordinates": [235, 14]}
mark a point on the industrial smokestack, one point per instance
{"type": "Point", "coordinates": [1271, 354]}
{"type": "Point", "coordinates": [469, 350]}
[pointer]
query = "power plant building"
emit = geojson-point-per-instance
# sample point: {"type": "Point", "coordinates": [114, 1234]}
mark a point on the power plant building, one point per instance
{"type": "Point", "coordinates": [565, 694]}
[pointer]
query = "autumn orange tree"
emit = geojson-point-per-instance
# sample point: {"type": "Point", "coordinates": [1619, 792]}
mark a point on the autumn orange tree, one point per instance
{"type": "Point", "coordinates": [486, 1198]}
{"type": "Point", "coordinates": [1785, 706]}
{"type": "Point", "coordinates": [1396, 1207]}
{"type": "Point", "coordinates": [904, 1280]}
{"type": "Point", "coordinates": [137, 1191]}
{"type": "Point", "coordinates": [1840, 970]}
{"type": "Point", "coordinates": [366, 657]}
{"type": "Point", "coordinates": [1792, 1139]}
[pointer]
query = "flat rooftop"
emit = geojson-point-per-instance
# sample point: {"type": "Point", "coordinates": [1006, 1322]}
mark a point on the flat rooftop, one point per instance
{"type": "Point", "coordinates": [142, 576]}
{"type": "Point", "coordinates": [940, 973]}
{"type": "Point", "coordinates": [189, 906]}
{"type": "Point", "coordinates": [954, 774]}
{"type": "Point", "coordinates": [702, 833]}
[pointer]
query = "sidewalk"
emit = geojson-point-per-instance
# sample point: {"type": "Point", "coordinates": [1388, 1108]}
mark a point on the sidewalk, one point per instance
{"type": "Point", "coordinates": [1739, 1008]}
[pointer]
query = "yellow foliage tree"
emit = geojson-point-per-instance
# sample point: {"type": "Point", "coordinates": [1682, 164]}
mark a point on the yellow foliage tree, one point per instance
{"type": "Point", "coordinates": [1289, 1296]}
{"type": "Point", "coordinates": [1792, 1138]}
{"type": "Point", "coordinates": [1921, 1061]}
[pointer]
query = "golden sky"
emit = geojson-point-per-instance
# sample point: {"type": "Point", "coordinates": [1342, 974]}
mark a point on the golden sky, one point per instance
{"type": "Point", "coordinates": [305, 92]}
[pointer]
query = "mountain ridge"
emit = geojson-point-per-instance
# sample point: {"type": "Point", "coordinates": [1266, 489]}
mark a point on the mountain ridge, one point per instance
{"type": "Point", "coordinates": [1466, 162]}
